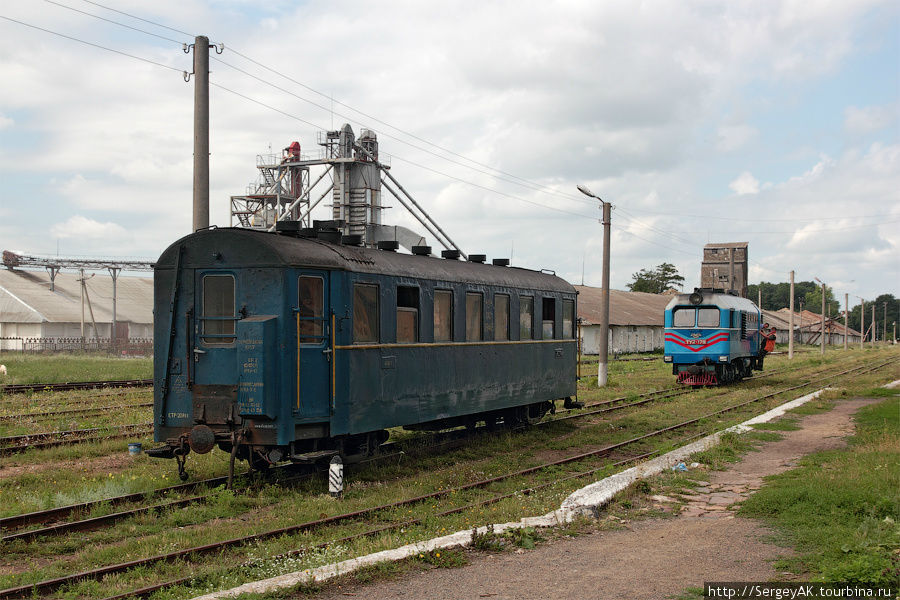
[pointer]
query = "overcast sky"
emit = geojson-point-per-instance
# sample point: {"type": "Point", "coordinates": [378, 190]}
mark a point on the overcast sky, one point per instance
{"type": "Point", "coordinates": [775, 123]}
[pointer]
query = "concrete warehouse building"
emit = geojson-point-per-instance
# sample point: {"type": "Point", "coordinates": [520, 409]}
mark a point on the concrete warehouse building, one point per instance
{"type": "Point", "coordinates": [28, 309]}
{"type": "Point", "coordinates": [636, 320]}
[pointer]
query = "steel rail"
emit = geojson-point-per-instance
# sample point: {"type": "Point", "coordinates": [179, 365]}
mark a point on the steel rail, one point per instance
{"type": "Point", "coordinates": [143, 592]}
{"type": "Point", "coordinates": [73, 411]}
{"type": "Point", "coordinates": [75, 385]}
{"type": "Point", "coordinates": [56, 583]}
{"type": "Point", "coordinates": [140, 428]}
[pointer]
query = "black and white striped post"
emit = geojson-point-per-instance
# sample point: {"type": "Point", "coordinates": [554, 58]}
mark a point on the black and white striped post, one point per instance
{"type": "Point", "coordinates": [336, 477]}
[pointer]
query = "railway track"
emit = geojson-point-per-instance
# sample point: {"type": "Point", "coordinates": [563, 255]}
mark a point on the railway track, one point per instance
{"type": "Point", "coordinates": [443, 441]}
{"type": "Point", "coordinates": [70, 412]}
{"type": "Point", "coordinates": [56, 583]}
{"type": "Point", "coordinates": [76, 385]}
{"type": "Point", "coordinates": [20, 443]}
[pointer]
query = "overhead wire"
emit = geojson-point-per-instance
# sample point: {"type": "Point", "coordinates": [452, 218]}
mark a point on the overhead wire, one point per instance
{"type": "Point", "coordinates": [120, 24]}
{"type": "Point", "coordinates": [87, 43]}
{"type": "Point", "coordinates": [122, 12]}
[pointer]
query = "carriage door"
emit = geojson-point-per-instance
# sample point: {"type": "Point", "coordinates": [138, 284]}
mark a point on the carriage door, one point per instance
{"type": "Point", "coordinates": [213, 322]}
{"type": "Point", "coordinates": [313, 365]}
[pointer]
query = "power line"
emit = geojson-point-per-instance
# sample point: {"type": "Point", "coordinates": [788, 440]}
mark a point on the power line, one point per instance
{"type": "Point", "coordinates": [759, 220]}
{"type": "Point", "coordinates": [72, 8]}
{"type": "Point", "coordinates": [87, 43]}
{"type": "Point", "coordinates": [121, 12]}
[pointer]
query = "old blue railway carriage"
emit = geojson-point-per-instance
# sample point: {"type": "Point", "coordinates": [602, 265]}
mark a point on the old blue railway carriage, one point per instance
{"type": "Point", "coordinates": [712, 337]}
{"type": "Point", "coordinates": [282, 347]}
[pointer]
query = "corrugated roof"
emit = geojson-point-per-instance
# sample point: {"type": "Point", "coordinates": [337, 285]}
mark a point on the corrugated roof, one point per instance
{"type": "Point", "coordinates": [625, 308]}
{"type": "Point", "coordinates": [25, 297]}
{"type": "Point", "coordinates": [805, 320]}
{"type": "Point", "coordinates": [727, 245]}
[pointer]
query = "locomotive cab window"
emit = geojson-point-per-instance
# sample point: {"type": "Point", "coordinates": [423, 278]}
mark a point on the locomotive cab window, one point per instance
{"type": "Point", "coordinates": [683, 317]}
{"type": "Point", "coordinates": [365, 313]}
{"type": "Point", "coordinates": [443, 315]}
{"type": "Point", "coordinates": [310, 302]}
{"type": "Point", "coordinates": [707, 317]}
{"type": "Point", "coordinates": [218, 310]}
{"type": "Point", "coordinates": [548, 318]}
{"type": "Point", "coordinates": [407, 315]}
{"type": "Point", "coordinates": [526, 317]}
{"type": "Point", "coordinates": [501, 317]}
{"type": "Point", "coordinates": [568, 322]}
{"type": "Point", "coordinates": [474, 316]}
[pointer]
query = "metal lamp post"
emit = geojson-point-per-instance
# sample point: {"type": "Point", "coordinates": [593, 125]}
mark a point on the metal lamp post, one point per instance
{"type": "Point", "coordinates": [603, 367]}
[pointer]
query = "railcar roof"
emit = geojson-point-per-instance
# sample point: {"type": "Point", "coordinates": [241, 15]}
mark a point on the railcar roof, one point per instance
{"type": "Point", "coordinates": [714, 299]}
{"type": "Point", "coordinates": [247, 248]}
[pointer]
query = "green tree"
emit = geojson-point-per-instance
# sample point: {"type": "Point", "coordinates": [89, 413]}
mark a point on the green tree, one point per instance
{"type": "Point", "coordinates": [813, 302]}
{"type": "Point", "coordinates": [656, 281]}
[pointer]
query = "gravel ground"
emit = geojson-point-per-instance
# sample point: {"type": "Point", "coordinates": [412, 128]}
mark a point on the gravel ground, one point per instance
{"type": "Point", "coordinates": [654, 558]}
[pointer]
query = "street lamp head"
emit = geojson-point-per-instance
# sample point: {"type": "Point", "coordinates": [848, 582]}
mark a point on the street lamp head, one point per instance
{"type": "Point", "coordinates": [819, 280]}
{"type": "Point", "coordinates": [584, 190]}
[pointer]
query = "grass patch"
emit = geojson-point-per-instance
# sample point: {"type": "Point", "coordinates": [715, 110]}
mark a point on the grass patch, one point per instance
{"type": "Point", "coordinates": [22, 368]}
{"type": "Point", "coordinates": [841, 508]}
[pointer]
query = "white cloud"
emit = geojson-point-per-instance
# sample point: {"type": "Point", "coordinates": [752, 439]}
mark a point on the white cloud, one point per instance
{"type": "Point", "coordinates": [745, 184]}
{"type": "Point", "coordinates": [734, 137]}
{"type": "Point", "coordinates": [80, 227]}
{"type": "Point", "coordinates": [5, 121]}
{"type": "Point", "coordinates": [870, 119]}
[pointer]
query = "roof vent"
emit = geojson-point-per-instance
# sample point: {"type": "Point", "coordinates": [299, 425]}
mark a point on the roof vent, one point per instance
{"type": "Point", "coordinates": [307, 232]}
{"type": "Point", "coordinates": [477, 258]}
{"type": "Point", "coordinates": [332, 237]}
{"type": "Point", "coordinates": [389, 245]}
{"type": "Point", "coordinates": [450, 254]}
{"type": "Point", "coordinates": [421, 250]}
{"type": "Point", "coordinates": [287, 227]}
{"type": "Point", "coordinates": [328, 225]}
{"type": "Point", "coordinates": [353, 239]}
{"type": "Point", "coordinates": [501, 262]}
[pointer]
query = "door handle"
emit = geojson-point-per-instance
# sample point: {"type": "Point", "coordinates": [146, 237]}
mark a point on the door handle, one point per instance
{"type": "Point", "coordinates": [197, 353]}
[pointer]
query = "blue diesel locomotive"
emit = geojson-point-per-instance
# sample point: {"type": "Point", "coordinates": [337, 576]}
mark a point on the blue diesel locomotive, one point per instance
{"type": "Point", "coordinates": [300, 345]}
{"type": "Point", "coordinates": [712, 337]}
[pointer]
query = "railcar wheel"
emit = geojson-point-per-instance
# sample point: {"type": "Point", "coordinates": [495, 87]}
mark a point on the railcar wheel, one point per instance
{"type": "Point", "coordinates": [738, 370]}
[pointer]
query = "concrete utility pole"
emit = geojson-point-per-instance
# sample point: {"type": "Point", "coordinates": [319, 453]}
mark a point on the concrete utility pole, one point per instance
{"type": "Point", "coordinates": [862, 323]}
{"type": "Point", "coordinates": [823, 315]}
{"type": "Point", "coordinates": [846, 309]}
{"type": "Point", "coordinates": [884, 329]}
{"type": "Point", "coordinates": [114, 273]}
{"type": "Point", "coordinates": [791, 321]}
{"type": "Point", "coordinates": [201, 132]}
{"type": "Point", "coordinates": [603, 367]}
{"type": "Point", "coordinates": [874, 326]}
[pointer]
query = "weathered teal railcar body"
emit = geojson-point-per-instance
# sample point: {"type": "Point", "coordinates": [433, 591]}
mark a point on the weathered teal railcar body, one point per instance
{"type": "Point", "coordinates": [260, 334]}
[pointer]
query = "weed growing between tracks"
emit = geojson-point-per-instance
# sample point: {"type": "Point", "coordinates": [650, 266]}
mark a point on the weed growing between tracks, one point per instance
{"type": "Point", "coordinates": [229, 515]}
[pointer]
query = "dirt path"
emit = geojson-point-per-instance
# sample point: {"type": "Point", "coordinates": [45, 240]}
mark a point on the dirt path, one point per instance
{"type": "Point", "coordinates": [654, 559]}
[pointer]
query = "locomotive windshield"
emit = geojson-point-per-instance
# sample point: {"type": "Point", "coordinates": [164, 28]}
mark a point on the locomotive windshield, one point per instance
{"type": "Point", "coordinates": [707, 317]}
{"type": "Point", "coordinates": [684, 317]}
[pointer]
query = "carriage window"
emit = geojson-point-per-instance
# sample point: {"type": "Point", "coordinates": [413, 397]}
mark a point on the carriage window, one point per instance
{"type": "Point", "coordinates": [568, 319]}
{"type": "Point", "coordinates": [708, 317]}
{"type": "Point", "coordinates": [218, 309]}
{"type": "Point", "coordinates": [683, 317]}
{"type": "Point", "coordinates": [501, 317]}
{"type": "Point", "coordinates": [526, 317]}
{"type": "Point", "coordinates": [311, 300]}
{"type": "Point", "coordinates": [548, 318]}
{"type": "Point", "coordinates": [474, 316]}
{"type": "Point", "coordinates": [407, 315]}
{"type": "Point", "coordinates": [365, 313]}
{"type": "Point", "coordinates": [443, 315]}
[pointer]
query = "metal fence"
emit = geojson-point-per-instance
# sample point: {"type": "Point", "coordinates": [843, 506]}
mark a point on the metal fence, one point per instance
{"type": "Point", "coordinates": [120, 347]}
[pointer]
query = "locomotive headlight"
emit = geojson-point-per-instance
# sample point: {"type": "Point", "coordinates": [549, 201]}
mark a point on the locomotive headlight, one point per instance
{"type": "Point", "coordinates": [723, 359]}
{"type": "Point", "coordinates": [667, 359]}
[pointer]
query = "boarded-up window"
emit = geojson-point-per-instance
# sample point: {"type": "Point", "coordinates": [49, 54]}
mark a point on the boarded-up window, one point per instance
{"type": "Point", "coordinates": [365, 313]}
{"type": "Point", "coordinates": [443, 315]}
{"type": "Point", "coordinates": [218, 309]}
{"type": "Point", "coordinates": [526, 317]}
{"type": "Point", "coordinates": [474, 316]}
{"type": "Point", "coordinates": [311, 302]}
{"type": "Point", "coordinates": [568, 323]}
{"type": "Point", "coordinates": [501, 317]}
{"type": "Point", "coordinates": [407, 314]}
{"type": "Point", "coordinates": [548, 318]}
